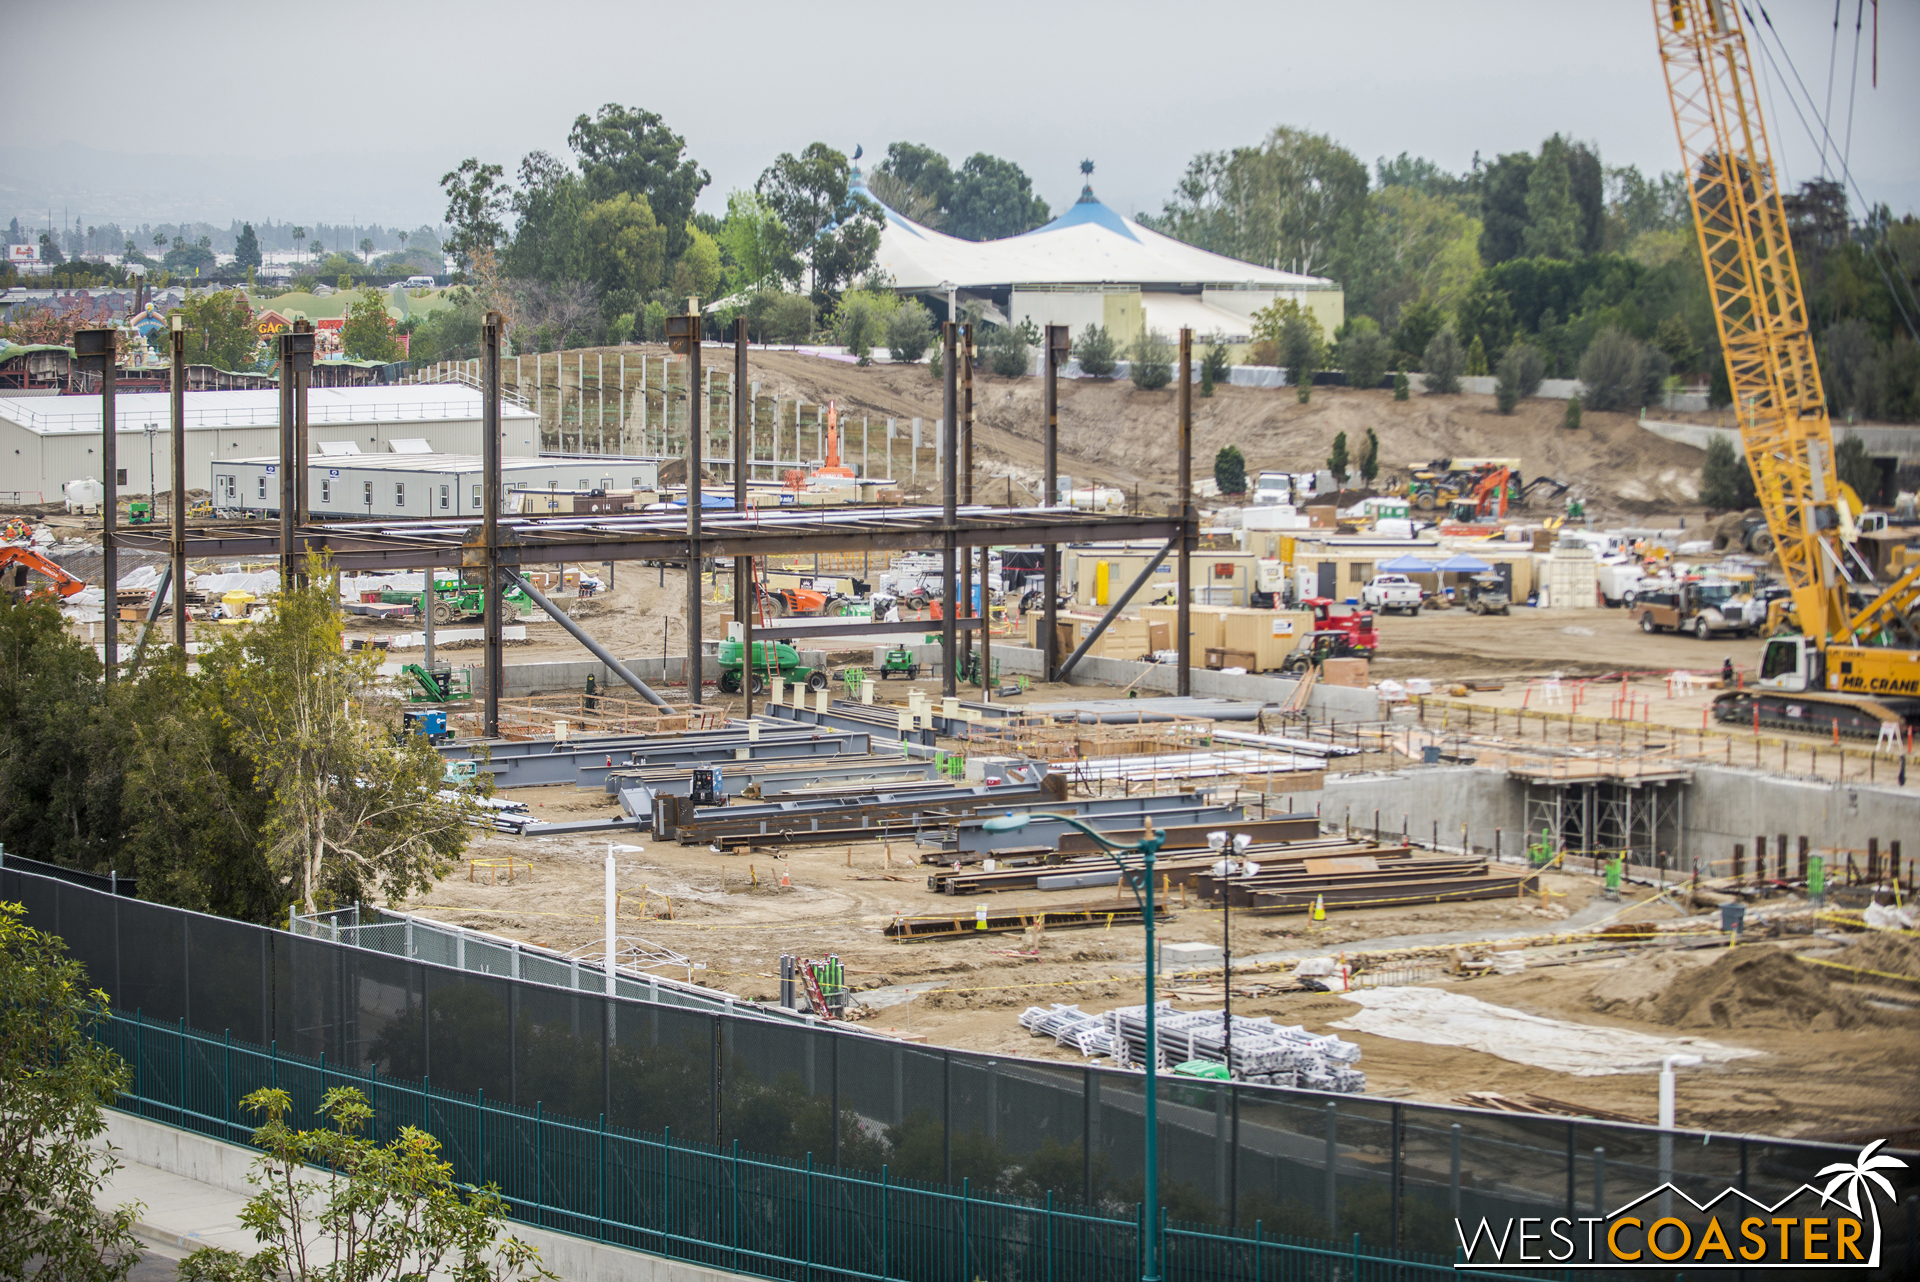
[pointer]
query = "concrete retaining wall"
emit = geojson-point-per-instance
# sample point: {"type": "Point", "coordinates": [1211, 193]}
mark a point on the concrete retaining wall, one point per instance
{"type": "Point", "coordinates": [1725, 805]}
{"type": "Point", "coordinates": [226, 1166]}
{"type": "Point", "coordinates": [1326, 703]}
{"type": "Point", "coordinates": [1419, 797]}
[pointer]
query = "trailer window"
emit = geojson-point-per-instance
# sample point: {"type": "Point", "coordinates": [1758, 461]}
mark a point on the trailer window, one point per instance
{"type": "Point", "coordinates": [445, 500]}
{"type": "Point", "coordinates": [399, 493]}
{"type": "Point", "coordinates": [263, 487]}
{"type": "Point", "coordinates": [476, 496]}
{"type": "Point", "coordinates": [326, 491]}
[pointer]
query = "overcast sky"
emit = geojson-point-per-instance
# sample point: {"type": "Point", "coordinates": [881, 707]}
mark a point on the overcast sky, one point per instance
{"type": "Point", "coordinates": [222, 110]}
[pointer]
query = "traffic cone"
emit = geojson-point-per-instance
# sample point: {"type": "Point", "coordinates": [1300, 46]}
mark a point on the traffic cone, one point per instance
{"type": "Point", "coordinates": [1319, 908]}
{"type": "Point", "coordinates": [783, 874]}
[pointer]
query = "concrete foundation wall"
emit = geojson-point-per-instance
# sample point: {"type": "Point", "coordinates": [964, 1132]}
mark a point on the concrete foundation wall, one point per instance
{"type": "Point", "coordinates": [226, 1166]}
{"type": "Point", "coordinates": [1727, 805]}
{"type": "Point", "coordinates": [1326, 703]}
{"type": "Point", "coordinates": [1420, 797]}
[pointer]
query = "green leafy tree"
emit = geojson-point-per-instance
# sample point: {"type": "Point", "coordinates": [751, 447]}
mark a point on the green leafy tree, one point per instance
{"type": "Point", "coordinates": [1216, 363]}
{"type": "Point", "coordinates": [368, 334]}
{"type": "Point", "coordinates": [1008, 349]}
{"type": "Point", "coordinates": [755, 246]}
{"type": "Point", "coordinates": [1230, 470]}
{"type": "Point", "coordinates": [1095, 352]}
{"type": "Point", "coordinates": [1150, 360]}
{"type": "Point", "coordinates": [1300, 348]}
{"type": "Point", "coordinates": [366, 249]}
{"type": "Point", "coordinates": [627, 150]}
{"type": "Point", "coordinates": [1572, 420]}
{"type": "Point", "coordinates": [916, 181]}
{"type": "Point", "coordinates": [780, 318]}
{"type": "Point", "coordinates": [909, 331]}
{"type": "Point", "coordinates": [860, 321]}
{"type": "Point", "coordinates": [1614, 371]}
{"type": "Point", "coordinates": [1721, 477]}
{"type": "Point", "coordinates": [698, 271]}
{"type": "Point", "coordinates": [1553, 219]}
{"type": "Point", "coordinates": [1370, 459]}
{"type": "Point", "coordinates": [1296, 202]}
{"type": "Point", "coordinates": [1418, 324]}
{"type": "Point", "coordinates": [1402, 386]}
{"type": "Point", "coordinates": [1337, 461]}
{"type": "Point", "coordinates": [188, 259]}
{"type": "Point", "coordinates": [356, 809]}
{"type": "Point", "coordinates": [834, 229]}
{"type": "Point", "coordinates": [1503, 207]}
{"type": "Point", "coordinates": [991, 199]}
{"type": "Point", "coordinates": [246, 248]}
{"type": "Point", "coordinates": [1521, 369]}
{"type": "Point", "coordinates": [477, 204]}
{"type": "Point", "coordinates": [55, 1079]}
{"type": "Point", "coordinates": [1443, 362]}
{"type": "Point", "coordinates": [383, 1213]}
{"type": "Point", "coordinates": [625, 248]}
{"type": "Point", "coordinates": [1477, 358]}
{"type": "Point", "coordinates": [1363, 353]}
{"type": "Point", "coordinates": [219, 329]}
{"type": "Point", "coordinates": [1677, 341]}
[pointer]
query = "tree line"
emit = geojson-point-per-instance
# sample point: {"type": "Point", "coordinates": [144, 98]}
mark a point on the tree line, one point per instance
{"type": "Point", "coordinates": [272, 773]}
{"type": "Point", "coordinates": [1553, 251]}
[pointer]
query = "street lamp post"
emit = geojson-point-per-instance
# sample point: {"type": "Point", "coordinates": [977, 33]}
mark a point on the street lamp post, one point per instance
{"type": "Point", "coordinates": [1235, 865]}
{"type": "Point", "coordinates": [1139, 879]}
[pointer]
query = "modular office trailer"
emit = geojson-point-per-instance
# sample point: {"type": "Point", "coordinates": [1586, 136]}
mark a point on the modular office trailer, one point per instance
{"type": "Point", "coordinates": [380, 486]}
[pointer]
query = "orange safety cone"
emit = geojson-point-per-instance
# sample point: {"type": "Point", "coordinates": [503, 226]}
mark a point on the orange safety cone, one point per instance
{"type": "Point", "coordinates": [783, 874]}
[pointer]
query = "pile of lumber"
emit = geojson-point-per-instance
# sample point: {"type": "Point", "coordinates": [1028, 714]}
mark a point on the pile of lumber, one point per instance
{"type": "Point", "coordinates": [959, 925]}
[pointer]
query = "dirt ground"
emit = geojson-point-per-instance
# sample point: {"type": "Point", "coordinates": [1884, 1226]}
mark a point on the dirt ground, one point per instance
{"type": "Point", "coordinates": [731, 914]}
{"type": "Point", "coordinates": [1115, 434]}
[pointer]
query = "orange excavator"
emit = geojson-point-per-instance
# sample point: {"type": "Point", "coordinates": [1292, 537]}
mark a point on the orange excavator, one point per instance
{"type": "Point", "coordinates": [26, 559]}
{"type": "Point", "coordinates": [830, 474]}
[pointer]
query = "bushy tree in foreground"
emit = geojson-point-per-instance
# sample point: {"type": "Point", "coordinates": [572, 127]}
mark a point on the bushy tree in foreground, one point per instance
{"type": "Point", "coordinates": [1230, 470]}
{"type": "Point", "coordinates": [54, 1081]}
{"type": "Point", "coordinates": [1150, 360]}
{"type": "Point", "coordinates": [384, 1213]}
{"type": "Point", "coordinates": [1095, 352]}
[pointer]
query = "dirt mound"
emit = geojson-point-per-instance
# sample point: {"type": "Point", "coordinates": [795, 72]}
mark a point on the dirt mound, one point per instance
{"type": "Point", "coordinates": [1746, 987]}
{"type": "Point", "coordinates": [1887, 953]}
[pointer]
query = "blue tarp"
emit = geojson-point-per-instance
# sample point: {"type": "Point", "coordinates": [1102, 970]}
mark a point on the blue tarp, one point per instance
{"type": "Point", "coordinates": [1406, 565]}
{"type": "Point", "coordinates": [1461, 563]}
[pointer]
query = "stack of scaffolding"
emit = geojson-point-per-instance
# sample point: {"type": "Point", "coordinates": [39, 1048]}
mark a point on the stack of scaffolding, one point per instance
{"type": "Point", "coordinates": [1263, 1052]}
{"type": "Point", "coordinates": [1069, 1026]}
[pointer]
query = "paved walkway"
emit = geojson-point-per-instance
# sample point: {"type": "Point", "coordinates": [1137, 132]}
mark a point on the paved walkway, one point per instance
{"type": "Point", "coordinates": [179, 1216]}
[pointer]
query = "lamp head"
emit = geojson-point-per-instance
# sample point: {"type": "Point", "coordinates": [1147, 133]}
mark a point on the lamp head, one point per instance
{"type": "Point", "coordinates": [1241, 841]}
{"type": "Point", "coordinates": [1009, 822]}
{"type": "Point", "coordinates": [1216, 841]}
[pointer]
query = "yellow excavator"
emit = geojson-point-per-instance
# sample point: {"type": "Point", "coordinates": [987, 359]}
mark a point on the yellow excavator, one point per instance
{"type": "Point", "coordinates": [1854, 667]}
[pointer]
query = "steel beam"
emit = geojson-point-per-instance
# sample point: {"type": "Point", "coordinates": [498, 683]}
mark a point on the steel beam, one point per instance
{"type": "Point", "coordinates": [1113, 611]}
{"type": "Point", "coordinates": [744, 605]}
{"type": "Point", "coordinates": [579, 634]}
{"type": "Point", "coordinates": [1059, 348]}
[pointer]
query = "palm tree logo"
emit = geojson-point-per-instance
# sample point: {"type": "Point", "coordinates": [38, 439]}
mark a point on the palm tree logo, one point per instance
{"type": "Point", "coordinates": [1862, 1172]}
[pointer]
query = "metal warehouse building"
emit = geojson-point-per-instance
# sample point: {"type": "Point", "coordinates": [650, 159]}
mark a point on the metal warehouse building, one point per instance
{"type": "Point", "coordinates": [412, 480]}
{"type": "Point", "coordinates": [46, 441]}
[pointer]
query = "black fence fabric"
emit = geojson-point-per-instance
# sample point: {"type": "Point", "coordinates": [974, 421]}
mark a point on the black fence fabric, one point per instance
{"type": "Point", "coordinates": [1235, 1160]}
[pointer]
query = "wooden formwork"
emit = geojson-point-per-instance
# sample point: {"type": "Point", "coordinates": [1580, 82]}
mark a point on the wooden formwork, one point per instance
{"type": "Point", "coordinates": [536, 716]}
{"type": "Point", "coordinates": [1063, 739]}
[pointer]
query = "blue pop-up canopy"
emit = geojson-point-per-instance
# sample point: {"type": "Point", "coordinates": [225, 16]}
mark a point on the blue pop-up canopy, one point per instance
{"type": "Point", "coordinates": [1461, 563]}
{"type": "Point", "coordinates": [1406, 565]}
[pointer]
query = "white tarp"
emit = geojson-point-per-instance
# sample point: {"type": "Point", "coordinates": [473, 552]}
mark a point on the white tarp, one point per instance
{"type": "Point", "coordinates": [1440, 1017]}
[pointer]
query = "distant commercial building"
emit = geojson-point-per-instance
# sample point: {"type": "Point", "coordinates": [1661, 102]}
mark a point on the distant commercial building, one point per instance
{"type": "Point", "coordinates": [1093, 266]}
{"type": "Point", "coordinates": [46, 441]}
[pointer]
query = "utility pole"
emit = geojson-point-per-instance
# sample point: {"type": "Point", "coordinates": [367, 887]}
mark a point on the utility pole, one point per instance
{"type": "Point", "coordinates": [177, 518]}
{"type": "Point", "coordinates": [744, 604]}
{"type": "Point", "coordinates": [491, 329]}
{"type": "Point", "coordinates": [1183, 623]}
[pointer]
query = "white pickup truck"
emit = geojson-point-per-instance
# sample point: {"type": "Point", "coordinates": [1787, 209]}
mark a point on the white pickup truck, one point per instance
{"type": "Point", "coordinates": [1389, 592]}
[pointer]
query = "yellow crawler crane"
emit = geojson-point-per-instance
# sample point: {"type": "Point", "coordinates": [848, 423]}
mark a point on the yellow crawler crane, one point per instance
{"type": "Point", "coordinates": [1854, 668]}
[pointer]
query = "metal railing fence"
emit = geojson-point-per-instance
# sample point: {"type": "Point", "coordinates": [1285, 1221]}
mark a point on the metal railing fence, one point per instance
{"type": "Point", "coordinates": [1001, 1130]}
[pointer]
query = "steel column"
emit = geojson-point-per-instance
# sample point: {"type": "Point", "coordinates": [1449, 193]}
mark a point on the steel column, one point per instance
{"type": "Point", "coordinates": [98, 350]}
{"type": "Point", "coordinates": [287, 447]}
{"type": "Point", "coordinates": [177, 399]}
{"type": "Point", "coordinates": [491, 331]}
{"type": "Point", "coordinates": [696, 451]}
{"type": "Point", "coordinates": [1059, 347]}
{"type": "Point", "coordinates": [743, 602]}
{"type": "Point", "coordinates": [986, 628]}
{"type": "Point", "coordinates": [1183, 622]}
{"type": "Point", "coordinates": [949, 500]}
{"type": "Point", "coordinates": [966, 467]}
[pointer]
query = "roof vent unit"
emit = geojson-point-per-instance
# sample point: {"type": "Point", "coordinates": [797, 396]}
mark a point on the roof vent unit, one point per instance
{"type": "Point", "coordinates": [336, 449]}
{"type": "Point", "coordinates": [410, 447]}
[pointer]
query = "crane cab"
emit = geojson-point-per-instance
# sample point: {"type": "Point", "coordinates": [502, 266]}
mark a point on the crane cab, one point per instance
{"type": "Point", "coordinates": [1790, 663]}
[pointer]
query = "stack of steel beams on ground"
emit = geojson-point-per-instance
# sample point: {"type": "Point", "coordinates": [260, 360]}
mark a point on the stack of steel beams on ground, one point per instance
{"type": "Point", "coordinates": [586, 762]}
{"type": "Point", "coordinates": [959, 925]}
{"type": "Point", "coordinates": [764, 780]}
{"type": "Point", "coordinates": [1262, 1050]}
{"type": "Point", "coordinates": [1370, 877]}
{"type": "Point", "coordinates": [845, 816]}
{"type": "Point", "coordinates": [843, 714]}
